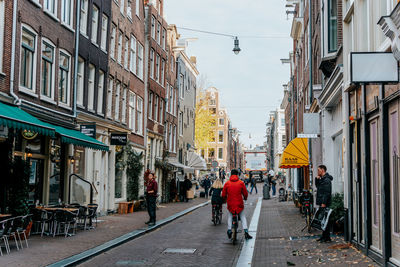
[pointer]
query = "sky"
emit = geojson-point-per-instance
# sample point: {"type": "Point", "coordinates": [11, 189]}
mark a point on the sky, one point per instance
{"type": "Point", "coordinates": [250, 84]}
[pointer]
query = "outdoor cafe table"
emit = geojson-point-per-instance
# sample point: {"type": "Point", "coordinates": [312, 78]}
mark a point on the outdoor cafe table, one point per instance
{"type": "Point", "coordinates": [55, 208]}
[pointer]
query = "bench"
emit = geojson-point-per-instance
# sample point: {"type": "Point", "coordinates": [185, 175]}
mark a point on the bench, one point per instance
{"type": "Point", "coordinates": [125, 207]}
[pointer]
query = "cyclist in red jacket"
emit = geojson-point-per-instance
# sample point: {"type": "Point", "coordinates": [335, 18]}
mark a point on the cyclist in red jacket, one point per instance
{"type": "Point", "coordinates": [234, 192]}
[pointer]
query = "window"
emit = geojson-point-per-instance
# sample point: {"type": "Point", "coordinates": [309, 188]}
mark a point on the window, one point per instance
{"type": "Point", "coordinates": [47, 69]}
{"type": "Point", "coordinates": [161, 110]}
{"type": "Point", "coordinates": [100, 93]}
{"type": "Point", "coordinates": [129, 9]}
{"type": "Point", "coordinates": [164, 33]}
{"type": "Point", "coordinates": [170, 138]}
{"type": "Point", "coordinates": [66, 12]}
{"type": "Point", "coordinates": [139, 109]}
{"type": "Point", "coordinates": [81, 75]}
{"type": "Point", "coordinates": [2, 22]}
{"type": "Point", "coordinates": [28, 51]}
{"type": "Point", "coordinates": [175, 103]}
{"type": "Point", "coordinates": [220, 153]}
{"type": "Point", "coordinates": [95, 23]}
{"type": "Point", "coordinates": [132, 65]}
{"type": "Point", "coordinates": [117, 92]}
{"type": "Point", "coordinates": [221, 121]}
{"type": "Point", "coordinates": [119, 47]}
{"type": "Point", "coordinates": [158, 33]}
{"type": "Point", "coordinates": [284, 140]}
{"type": "Point", "coordinates": [109, 96]}
{"type": "Point", "coordinates": [104, 24]}
{"type": "Point", "coordinates": [151, 106]}
{"type": "Point", "coordinates": [140, 61]}
{"type": "Point", "coordinates": [50, 6]}
{"type": "Point", "coordinates": [174, 145]}
{"type": "Point", "coordinates": [162, 72]}
{"type": "Point", "coordinates": [211, 153]}
{"type": "Point", "coordinates": [180, 123]}
{"type": "Point", "coordinates": [84, 16]}
{"type": "Point", "coordinates": [212, 102]}
{"type": "Point", "coordinates": [221, 136]}
{"type": "Point", "coordinates": [153, 27]}
{"type": "Point", "coordinates": [126, 53]}
{"type": "Point", "coordinates": [332, 25]}
{"type": "Point", "coordinates": [181, 86]}
{"type": "Point", "coordinates": [137, 8]}
{"type": "Point", "coordinates": [156, 108]}
{"type": "Point", "coordinates": [112, 44]}
{"type": "Point", "coordinates": [121, 6]}
{"type": "Point", "coordinates": [172, 64]}
{"type": "Point", "coordinates": [90, 104]}
{"type": "Point", "coordinates": [211, 136]}
{"type": "Point", "coordinates": [212, 111]}
{"type": "Point", "coordinates": [158, 68]}
{"type": "Point", "coordinates": [282, 122]}
{"type": "Point", "coordinates": [63, 78]}
{"type": "Point", "coordinates": [123, 112]}
{"type": "Point", "coordinates": [132, 112]}
{"type": "Point", "coordinates": [167, 97]}
{"type": "Point", "coordinates": [152, 63]}
{"type": "Point", "coordinates": [171, 99]}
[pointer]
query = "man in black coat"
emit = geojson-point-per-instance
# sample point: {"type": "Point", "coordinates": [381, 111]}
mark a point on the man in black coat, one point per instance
{"type": "Point", "coordinates": [206, 185]}
{"type": "Point", "coordinates": [323, 182]}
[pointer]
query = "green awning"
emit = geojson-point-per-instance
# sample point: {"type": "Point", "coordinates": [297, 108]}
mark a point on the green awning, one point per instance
{"type": "Point", "coordinates": [14, 117]}
{"type": "Point", "coordinates": [79, 139]}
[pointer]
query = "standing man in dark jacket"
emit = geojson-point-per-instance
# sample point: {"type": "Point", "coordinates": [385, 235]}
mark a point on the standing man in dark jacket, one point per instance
{"type": "Point", "coordinates": [323, 182]}
{"type": "Point", "coordinates": [206, 185]}
{"type": "Point", "coordinates": [151, 197]}
{"type": "Point", "coordinates": [187, 186]}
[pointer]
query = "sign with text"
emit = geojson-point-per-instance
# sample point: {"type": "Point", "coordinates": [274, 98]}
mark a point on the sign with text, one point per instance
{"type": "Point", "coordinates": [119, 139]}
{"type": "Point", "coordinates": [89, 130]}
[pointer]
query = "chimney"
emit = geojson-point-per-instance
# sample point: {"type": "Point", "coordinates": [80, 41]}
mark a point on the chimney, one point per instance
{"type": "Point", "coordinates": [193, 60]}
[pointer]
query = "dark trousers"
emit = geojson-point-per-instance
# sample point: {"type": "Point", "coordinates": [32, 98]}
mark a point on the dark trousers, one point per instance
{"type": "Point", "coordinates": [185, 198]}
{"type": "Point", "coordinates": [151, 207]}
{"type": "Point", "coordinates": [253, 186]}
{"type": "Point", "coordinates": [327, 233]}
{"type": "Point", "coordinates": [206, 191]}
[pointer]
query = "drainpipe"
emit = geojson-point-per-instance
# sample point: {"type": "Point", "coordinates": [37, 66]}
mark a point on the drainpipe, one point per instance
{"type": "Point", "coordinates": [77, 30]}
{"type": "Point", "coordinates": [14, 30]}
{"type": "Point", "coordinates": [310, 56]}
{"type": "Point", "coordinates": [146, 82]}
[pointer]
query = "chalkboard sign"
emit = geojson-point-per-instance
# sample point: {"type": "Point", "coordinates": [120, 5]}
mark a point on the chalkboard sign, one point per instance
{"type": "Point", "coordinates": [89, 130]}
{"type": "Point", "coordinates": [118, 139]}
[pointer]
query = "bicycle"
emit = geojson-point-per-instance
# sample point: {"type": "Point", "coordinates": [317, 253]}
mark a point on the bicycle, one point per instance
{"type": "Point", "coordinates": [216, 214]}
{"type": "Point", "coordinates": [307, 209]}
{"type": "Point", "coordinates": [235, 226]}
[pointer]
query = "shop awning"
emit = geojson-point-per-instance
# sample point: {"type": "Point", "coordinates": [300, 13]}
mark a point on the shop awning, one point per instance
{"type": "Point", "coordinates": [295, 154]}
{"type": "Point", "coordinates": [196, 162]}
{"type": "Point", "coordinates": [14, 117]}
{"type": "Point", "coordinates": [174, 162]}
{"type": "Point", "coordinates": [77, 138]}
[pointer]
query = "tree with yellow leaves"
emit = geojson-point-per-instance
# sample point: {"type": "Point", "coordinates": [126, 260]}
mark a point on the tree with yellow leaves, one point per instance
{"type": "Point", "coordinates": [205, 122]}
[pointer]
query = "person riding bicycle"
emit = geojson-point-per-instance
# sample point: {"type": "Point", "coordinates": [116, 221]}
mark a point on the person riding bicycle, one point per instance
{"type": "Point", "coordinates": [215, 193]}
{"type": "Point", "coordinates": [234, 192]}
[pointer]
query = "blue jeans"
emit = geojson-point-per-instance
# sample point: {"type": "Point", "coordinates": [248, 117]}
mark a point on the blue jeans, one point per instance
{"type": "Point", "coordinates": [273, 189]}
{"type": "Point", "coordinates": [252, 187]}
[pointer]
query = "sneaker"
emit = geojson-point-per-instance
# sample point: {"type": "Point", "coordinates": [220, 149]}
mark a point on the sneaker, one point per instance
{"type": "Point", "coordinates": [327, 240]}
{"type": "Point", "coordinates": [321, 239]}
{"type": "Point", "coordinates": [152, 223]}
{"type": "Point", "coordinates": [247, 236]}
{"type": "Point", "coordinates": [229, 233]}
{"type": "Point", "coordinates": [147, 222]}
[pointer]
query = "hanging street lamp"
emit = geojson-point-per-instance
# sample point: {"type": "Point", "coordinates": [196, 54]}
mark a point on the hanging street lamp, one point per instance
{"type": "Point", "coordinates": [236, 48]}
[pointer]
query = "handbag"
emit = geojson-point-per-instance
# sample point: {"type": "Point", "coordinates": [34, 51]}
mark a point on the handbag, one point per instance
{"type": "Point", "coordinates": [321, 218]}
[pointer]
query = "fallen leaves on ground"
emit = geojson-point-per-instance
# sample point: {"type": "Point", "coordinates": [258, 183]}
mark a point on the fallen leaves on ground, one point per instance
{"type": "Point", "coordinates": [340, 246]}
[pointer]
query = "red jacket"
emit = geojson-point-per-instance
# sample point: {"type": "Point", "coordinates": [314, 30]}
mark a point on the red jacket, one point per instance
{"type": "Point", "coordinates": [234, 192]}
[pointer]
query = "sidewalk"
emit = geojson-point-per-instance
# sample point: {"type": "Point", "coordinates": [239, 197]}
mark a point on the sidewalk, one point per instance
{"type": "Point", "coordinates": [46, 250]}
{"type": "Point", "coordinates": [280, 241]}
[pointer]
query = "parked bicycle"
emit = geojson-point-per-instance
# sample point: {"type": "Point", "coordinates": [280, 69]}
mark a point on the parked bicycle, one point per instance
{"type": "Point", "coordinates": [306, 201]}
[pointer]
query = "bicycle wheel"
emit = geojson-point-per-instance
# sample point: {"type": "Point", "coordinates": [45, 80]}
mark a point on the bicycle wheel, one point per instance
{"type": "Point", "coordinates": [234, 235]}
{"type": "Point", "coordinates": [214, 217]}
{"type": "Point", "coordinates": [220, 217]}
{"type": "Point", "coordinates": [308, 222]}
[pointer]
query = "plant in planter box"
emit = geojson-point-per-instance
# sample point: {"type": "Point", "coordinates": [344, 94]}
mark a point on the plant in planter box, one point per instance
{"type": "Point", "coordinates": [338, 212]}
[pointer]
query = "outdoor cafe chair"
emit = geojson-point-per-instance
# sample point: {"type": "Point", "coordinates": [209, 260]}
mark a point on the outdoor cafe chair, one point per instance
{"type": "Point", "coordinates": [63, 220]}
{"type": "Point", "coordinates": [5, 227]}
{"type": "Point", "coordinates": [22, 228]}
{"type": "Point", "coordinates": [41, 218]}
{"type": "Point", "coordinates": [15, 224]}
{"type": "Point", "coordinates": [92, 214]}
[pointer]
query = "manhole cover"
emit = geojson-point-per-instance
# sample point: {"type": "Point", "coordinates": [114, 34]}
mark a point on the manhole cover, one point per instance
{"type": "Point", "coordinates": [180, 250]}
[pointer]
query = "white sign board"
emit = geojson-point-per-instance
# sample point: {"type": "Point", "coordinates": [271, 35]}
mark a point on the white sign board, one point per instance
{"type": "Point", "coordinates": [373, 67]}
{"type": "Point", "coordinates": [307, 135]}
{"type": "Point", "coordinates": [311, 123]}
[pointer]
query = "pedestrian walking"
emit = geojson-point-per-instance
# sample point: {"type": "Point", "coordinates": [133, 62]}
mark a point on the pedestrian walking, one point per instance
{"type": "Point", "coordinates": [253, 183]}
{"type": "Point", "coordinates": [206, 185]}
{"type": "Point", "coordinates": [187, 185]}
{"type": "Point", "coordinates": [151, 197]}
{"type": "Point", "coordinates": [273, 185]}
{"type": "Point", "coordinates": [323, 182]}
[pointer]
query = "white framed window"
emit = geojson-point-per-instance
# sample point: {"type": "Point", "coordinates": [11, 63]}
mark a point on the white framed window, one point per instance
{"type": "Point", "coordinates": [2, 23]}
{"type": "Point", "coordinates": [159, 33]}
{"type": "Point", "coordinates": [129, 9]}
{"type": "Point", "coordinates": [220, 136]}
{"type": "Point", "coordinates": [28, 59]}
{"type": "Point", "coordinates": [221, 121]}
{"type": "Point", "coordinates": [132, 111]}
{"type": "Point", "coordinates": [112, 41]}
{"type": "Point", "coordinates": [174, 145]}
{"type": "Point", "coordinates": [170, 148]}
{"type": "Point", "coordinates": [66, 12]}
{"type": "Point", "coordinates": [171, 99]}
{"type": "Point", "coordinates": [140, 61]}
{"type": "Point", "coordinates": [158, 68]}
{"type": "Point", "coordinates": [172, 64]}
{"type": "Point", "coordinates": [80, 75]}
{"type": "Point", "coordinates": [119, 58]}
{"type": "Point", "coordinates": [137, 8]}
{"type": "Point", "coordinates": [95, 23]}
{"type": "Point", "coordinates": [181, 86]}
{"type": "Point", "coordinates": [152, 63]}
{"type": "Point", "coordinates": [47, 71]}
{"type": "Point", "coordinates": [100, 93]}
{"type": "Point", "coordinates": [139, 117]}
{"type": "Point", "coordinates": [161, 110]}
{"type": "Point", "coordinates": [64, 77]}
{"type": "Point", "coordinates": [156, 108]}
{"type": "Point", "coordinates": [163, 39]}
{"type": "Point", "coordinates": [84, 16]}
{"type": "Point", "coordinates": [332, 25]}
{"type": "Point", "coordinates": [104, 26]}
{"type": "Point", "coordinates": [117, 94]}
{"type": "Point", "coordinates": [151, 106]}
{"type": "Point", "coordinates": [180, 123]}
{"type": "Point", "coordinates": [123, 112]}
{"type": "Point", "coordinates": [126, 53]}
{"type": "Point", "coordinates": [132, 65]}
{"type": "Point", "coordinates": [122, 6]}
{"type": "Point", "coordinates": [220, 153]}
{"type": "Point", "coordinates": [109, 96]}
{"type": "Point", "coordinates": [175, 103]}
{"type": "Point", "coordinates": [162, 72]}
{"type": "Point", "coordinates": [167, 97]}
{"type": "Point", "coordinates": [153, 27]}
{"type": "Point", "coordinates": [91, 78]}
{"type": "Point", "coordinates": [50, 6]}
